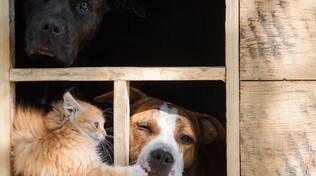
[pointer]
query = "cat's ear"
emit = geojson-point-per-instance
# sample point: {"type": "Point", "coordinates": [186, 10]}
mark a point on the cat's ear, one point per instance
{"type": "Point", "coordinates": [71, 106]}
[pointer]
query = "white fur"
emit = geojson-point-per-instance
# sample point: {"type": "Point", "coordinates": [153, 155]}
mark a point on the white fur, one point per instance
{"type": "Point", "coordinates": [136, 170]}
{"type": "Point", "coordinates": [165, 140]}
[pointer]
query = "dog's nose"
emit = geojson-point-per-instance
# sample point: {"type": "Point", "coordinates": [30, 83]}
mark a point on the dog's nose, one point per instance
{"type": "Point", "coordinates": [52, 26]}
{"type": "Point", "coordinates": [161, 158]}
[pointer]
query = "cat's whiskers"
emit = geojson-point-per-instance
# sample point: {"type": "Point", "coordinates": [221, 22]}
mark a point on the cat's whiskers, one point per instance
{"type": "Point", "coordinates": [109, 130]}
{"type": "Point", "coordinates": [105, 148]}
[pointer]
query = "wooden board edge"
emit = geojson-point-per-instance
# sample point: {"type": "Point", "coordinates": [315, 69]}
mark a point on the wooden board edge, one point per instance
{"type": "Point", "coordinates": [119, 73]}
{"type": "Point", "coordinates": [6, 89]}
{"type": "Point", "coordinates": [232, 87]}
{"type": "Point", "coordinates": [121, 123]}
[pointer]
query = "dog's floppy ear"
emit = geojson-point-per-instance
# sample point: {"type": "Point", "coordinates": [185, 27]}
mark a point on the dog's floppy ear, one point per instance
{"type": "Point", "coordinates": [105, 98]}
{"type": "Point", "coordinates": [210, 129]}
{"type": "Point", "coordinates": [135, 95]}
{"type": "Point", "coordinates": [71, 106]}
{"type": "Point", "coordinates": [129, 5]}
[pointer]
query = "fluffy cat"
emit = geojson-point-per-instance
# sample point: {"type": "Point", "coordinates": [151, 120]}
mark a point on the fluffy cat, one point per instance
{"type": "Point", "coordinates": [63, 142]}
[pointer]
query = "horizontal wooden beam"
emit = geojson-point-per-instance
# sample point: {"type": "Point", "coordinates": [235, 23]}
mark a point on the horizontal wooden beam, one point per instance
{"type": "Point", "coordinates": [119, 74]}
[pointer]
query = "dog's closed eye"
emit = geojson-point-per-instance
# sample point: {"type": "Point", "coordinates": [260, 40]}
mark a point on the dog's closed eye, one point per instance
{"type": "Point", "coordinates": [143, 126]}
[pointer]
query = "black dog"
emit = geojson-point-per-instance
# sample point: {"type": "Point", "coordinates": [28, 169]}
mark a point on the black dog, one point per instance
{"type": "Point", "coordinates": [58, 29]}
{"type": "Point", "coordinates": [52, 32]}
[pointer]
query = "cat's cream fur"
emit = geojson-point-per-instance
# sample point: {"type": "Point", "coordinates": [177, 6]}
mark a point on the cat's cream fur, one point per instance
{"type": "Point", "coordinates": [62, 142]}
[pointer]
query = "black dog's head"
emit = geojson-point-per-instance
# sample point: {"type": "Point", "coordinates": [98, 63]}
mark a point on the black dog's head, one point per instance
{"type": "Point", "coordinates": [60, 28]}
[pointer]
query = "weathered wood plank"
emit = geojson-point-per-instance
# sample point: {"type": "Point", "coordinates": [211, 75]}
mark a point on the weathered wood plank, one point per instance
{"type": "Point", "coordinates": [119, 73]}
{"type": "Point", "coordinates": [5, 89]}
{"type": "Point", "coordinates": [12, 31]}
{"type": "Point", "coordinates": [278, 127]}
{"type": "Point", "coordinates": [232, 87]}
{"type": "Point", "coordinates": [121, 123]}
{"type": "Point", "coordinates": [278, 39]}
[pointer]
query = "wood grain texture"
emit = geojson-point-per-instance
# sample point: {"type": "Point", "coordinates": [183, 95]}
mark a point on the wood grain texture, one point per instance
{"type": "Point", "coordinates": [278, 127]}
{"type": "Point", "coordinates": [232, 87]}
{"type": "Point", "coordinates": [278, 39]}
{"type": "Point", "coordinates": [5, 89]}
{"type": "Point", "coordinates": [119, 73]}
{"type": "Point", "coordinates": [121, 123]}
{"type": "Point", "coordinates": [12, 31]}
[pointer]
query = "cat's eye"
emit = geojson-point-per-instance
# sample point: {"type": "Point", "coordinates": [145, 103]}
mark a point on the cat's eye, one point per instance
{"type": "Point", "coordinates": [186, 139]}
{"type": "Point", "coordinates": [84, 6]}
{"type": "Point", "coordinates": [96, 124]}
{"type": "Point", "coordinates": [144, 127]}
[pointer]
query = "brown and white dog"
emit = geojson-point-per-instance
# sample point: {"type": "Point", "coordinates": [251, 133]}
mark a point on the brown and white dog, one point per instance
{"type": "Point", "coordinates": [165, 137]}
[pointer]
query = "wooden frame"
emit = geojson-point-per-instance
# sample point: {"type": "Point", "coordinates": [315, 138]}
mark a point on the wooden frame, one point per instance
{"type": "Point", "coordinates": [277, 87]}
{"type": "Point", "coordinates": [121, 77]}
{"type": "Point", "coordinates": [120, 73]}
{"type": "Point", "coordinates": [232, 87]}
{"type": "Point", "coordinates": [6, 88]}
{"type": "Point", "coordinates": [121, 122]}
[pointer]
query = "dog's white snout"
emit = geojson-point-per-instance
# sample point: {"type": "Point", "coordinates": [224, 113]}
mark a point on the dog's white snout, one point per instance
{"type": "Point", "coordinates": [161, 161]}
{"type": "Point", "coordinates": [162, 158]}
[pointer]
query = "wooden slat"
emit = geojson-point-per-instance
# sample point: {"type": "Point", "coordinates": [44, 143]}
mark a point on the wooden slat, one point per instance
{"type": "Point", "coordinates": [278, 127]}
{"type": "Point", "coordinates": [232, 87]}
{"type": "Point", "coordinates": [121, 123]}
{"type": "Point", "coordinates": [119, 73]}
{"type": "Point", "coordinates": [278, 39]}
{"type": "Point", "coordinates": [12, 31]}
{"type": "Point", "coordinates": [5, 89]}
{"type": "Point", "coordinates": [12, 63]}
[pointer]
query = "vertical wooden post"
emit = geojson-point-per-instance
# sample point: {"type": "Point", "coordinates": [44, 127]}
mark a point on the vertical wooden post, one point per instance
{"type": "Point", "coordinates": [232, 87]}
{"type": "Point", "coordinates": [6, 89]}
{"type": "Point", "coordinates": [121, 123]}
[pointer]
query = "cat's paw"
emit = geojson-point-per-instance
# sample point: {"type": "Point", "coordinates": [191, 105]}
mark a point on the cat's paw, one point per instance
{"type": "Point", "coordinates": [136, 170]}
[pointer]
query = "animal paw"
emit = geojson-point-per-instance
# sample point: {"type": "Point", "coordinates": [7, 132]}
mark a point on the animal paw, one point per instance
{"type": "Point", "coordinates": [137, 170]}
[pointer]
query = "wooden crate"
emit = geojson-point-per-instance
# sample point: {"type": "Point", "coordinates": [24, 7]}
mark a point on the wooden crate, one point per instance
{"type": "Point", "coordinates": [278, 87]}
{"type": "Point", "coordinates": [277, 128]}
{"type": "Point", "coordinates": [121, 76]}
{"type": "Point", "coordinates": [277, 40]}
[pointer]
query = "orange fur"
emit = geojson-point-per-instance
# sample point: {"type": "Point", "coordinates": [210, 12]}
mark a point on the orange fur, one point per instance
{"type": "Point", "coordinates": [62, 142]}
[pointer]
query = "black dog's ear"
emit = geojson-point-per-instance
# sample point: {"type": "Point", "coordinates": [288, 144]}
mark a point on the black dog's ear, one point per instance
{"type": "Point", "coordinates": [210, 129]}
{"type": "Point", "coordinates": [135, 95]}
{"type": "Point", "coordinates": [129, 5]}
{"type": "Point", "coordinates": [137, 9]}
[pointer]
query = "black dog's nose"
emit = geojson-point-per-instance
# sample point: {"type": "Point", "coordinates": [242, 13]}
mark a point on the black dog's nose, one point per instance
{"type": "Point", "coordinates": [161, 158]}
{"type": "Point", "coordinates": [52, 26]}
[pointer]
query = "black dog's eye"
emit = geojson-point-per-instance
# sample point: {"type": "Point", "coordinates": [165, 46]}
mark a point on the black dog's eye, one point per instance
{"type": "Point", "coordinates": [144, 127]}
{"type": "Point", "coordinates": [84, 6]}
{"type": "Point", "coordinates": [185, 139]}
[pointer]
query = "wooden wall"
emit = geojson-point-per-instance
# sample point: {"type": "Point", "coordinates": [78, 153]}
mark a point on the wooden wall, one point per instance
{"type": "Point", "coordinates": [278, 39]}
{"type": "Point", "coordinates": [6, 89]}
{"type": "Point", "coordinates": [278, 87]}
